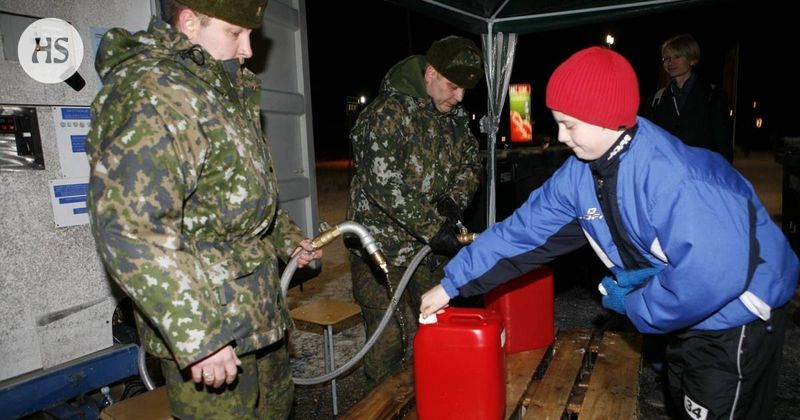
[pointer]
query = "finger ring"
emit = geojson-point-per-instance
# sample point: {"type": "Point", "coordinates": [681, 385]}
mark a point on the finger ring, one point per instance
{"type": "Point", "coordinates": [208, 375]}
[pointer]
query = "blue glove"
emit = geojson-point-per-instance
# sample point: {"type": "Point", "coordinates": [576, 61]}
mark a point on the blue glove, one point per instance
{"type": "Point", "coordinates": [614, 291]}
{"type": "Point", "coordinates": [633, 278]}
{"type": "Point", "coordinates": [614, 298]}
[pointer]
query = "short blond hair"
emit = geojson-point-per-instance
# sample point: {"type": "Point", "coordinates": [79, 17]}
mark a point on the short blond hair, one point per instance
{"type": "Point", "coordinates": [683, 44]}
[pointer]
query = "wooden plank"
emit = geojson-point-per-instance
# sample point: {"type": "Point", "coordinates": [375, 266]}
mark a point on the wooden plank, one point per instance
{"type": "Point", "coordinates": [518, 411]}
{"type": "Point", "coordinates": [528, 397]}
{"type": "Point", "coordinates": [553, 391]}
{"type": "Point", "coordinates": [582, 383]}
{"type": "Point", "coordinates": [614, 385]}
{"type": "Point", "coordinates": [575, 400]}
{"type": "Point", "coordinates": [149, 405]}
{"type": "Point", "coordinates": [388, 400]}
{"type": "Point", "coordinates": [520, 368]}
{"type": "Point", "coordinates": [317, 315]}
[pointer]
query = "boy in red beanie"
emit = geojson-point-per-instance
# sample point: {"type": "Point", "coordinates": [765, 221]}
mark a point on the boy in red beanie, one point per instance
{"type": "Point", "coordinates": [692, 251]}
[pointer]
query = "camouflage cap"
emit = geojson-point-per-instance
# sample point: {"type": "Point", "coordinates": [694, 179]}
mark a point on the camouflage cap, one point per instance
{"type": "Point", "coordinates": [458, 59]}
{"type": "Point", "coordinates": [245, 13]}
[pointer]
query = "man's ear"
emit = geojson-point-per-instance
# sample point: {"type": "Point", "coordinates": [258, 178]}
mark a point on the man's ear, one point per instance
{"type": "Point", "coordinates": [430, 73]}
{"type": "Point", "coordinates": [188, 23]}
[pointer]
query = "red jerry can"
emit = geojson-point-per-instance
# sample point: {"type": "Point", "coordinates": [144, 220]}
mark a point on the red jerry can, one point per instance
{"type": "Point", "coordinates": [526, 304]}
{"type": "Point", "coordinates": [459, 366]}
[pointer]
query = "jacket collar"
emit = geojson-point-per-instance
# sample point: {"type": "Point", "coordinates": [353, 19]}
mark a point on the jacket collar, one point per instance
{"type": "Point", "coordinates": [612, 156]}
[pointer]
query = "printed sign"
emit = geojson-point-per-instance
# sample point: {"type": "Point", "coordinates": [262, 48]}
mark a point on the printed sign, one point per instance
{"type": "Point", "coordinates": [72, 127]}
{"type": "Point", "coordinates": [519, 97]}
{"type": "Point", "coordinates": [68, 197]}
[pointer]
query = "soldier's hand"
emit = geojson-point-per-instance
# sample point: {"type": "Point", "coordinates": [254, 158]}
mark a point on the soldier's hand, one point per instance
{"type": "Point", "coordinates": [447, 207]}
{"type": "Point", "coordinates": [434, 301]}
{"type": "Point", "coordinates": [221, 367]}
{"type": "Point", "coordinates": [445, 242]}
{"type": "Point", "coordinates": [306, 253]}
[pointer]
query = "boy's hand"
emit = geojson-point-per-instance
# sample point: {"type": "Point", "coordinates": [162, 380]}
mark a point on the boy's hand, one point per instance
{"type": "Point", "coordinates": [613, 294]}
{"type": "Point", "coordinates": [434, 301]}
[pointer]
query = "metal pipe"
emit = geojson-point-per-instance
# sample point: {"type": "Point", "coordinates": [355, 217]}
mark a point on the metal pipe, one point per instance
{"type": "Point", "coordinates": [142, 365]}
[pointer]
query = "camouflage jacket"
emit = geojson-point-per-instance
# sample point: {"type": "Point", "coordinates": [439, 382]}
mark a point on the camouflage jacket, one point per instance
{"type": "Point", "coordinates": [408, 154]}
{"type": "Point", "coordinates": [183, 198]}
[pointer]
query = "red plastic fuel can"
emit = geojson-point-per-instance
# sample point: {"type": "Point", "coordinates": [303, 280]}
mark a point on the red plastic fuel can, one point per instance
{"type": "Point", "coordinates": [459, 366]}
{"type": "Point", "coordinates": [526, 304]}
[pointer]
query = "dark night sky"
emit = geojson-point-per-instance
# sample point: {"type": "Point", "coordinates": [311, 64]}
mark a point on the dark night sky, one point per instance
{"type": "Point", "coordinates": [349, 54]}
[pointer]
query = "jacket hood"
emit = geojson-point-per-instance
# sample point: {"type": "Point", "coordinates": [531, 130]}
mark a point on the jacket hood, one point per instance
{"type": "Point", "coordinates": [406, 77]}
{"type": "Point", "coordinates": [120, 49]}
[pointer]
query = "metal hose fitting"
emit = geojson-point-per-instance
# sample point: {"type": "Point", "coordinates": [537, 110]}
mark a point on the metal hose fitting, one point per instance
{"type": "Point", "coordinates": [466, 238]}
{"type": "Point", "coordinates": [366, 239]}
{"type": "Point", "coordinates": [324, 238]}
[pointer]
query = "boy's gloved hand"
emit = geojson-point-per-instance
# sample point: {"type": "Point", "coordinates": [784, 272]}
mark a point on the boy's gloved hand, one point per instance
{"type": "Point", "coordinates": [614, 291]}
{"type": "Point", "coordinates": [633, 278]}
{"type": "Point", "coordinates": [613, 294]}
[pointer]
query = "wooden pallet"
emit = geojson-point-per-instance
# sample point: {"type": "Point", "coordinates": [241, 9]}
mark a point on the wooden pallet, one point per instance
{"type": "Point", "coordinates": [578, 375]}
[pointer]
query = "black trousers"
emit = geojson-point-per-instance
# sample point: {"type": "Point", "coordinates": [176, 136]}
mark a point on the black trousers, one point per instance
{"type": "Point", "coordinates": [727, 374]}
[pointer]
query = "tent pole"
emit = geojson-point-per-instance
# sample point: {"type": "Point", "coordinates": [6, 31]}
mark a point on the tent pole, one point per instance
{"type": "Point", "coordinates": [498, 50]}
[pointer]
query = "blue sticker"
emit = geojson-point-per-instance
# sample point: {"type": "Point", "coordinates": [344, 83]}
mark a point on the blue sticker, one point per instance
{"type": "Point", "coordinates": [75, 199]}
{"type": "Point", "coordinates": [78, 143]}
{"type": "Point", "coordinates": [69, 190]}
{"type": "Point", "coordinates": [76, 113]}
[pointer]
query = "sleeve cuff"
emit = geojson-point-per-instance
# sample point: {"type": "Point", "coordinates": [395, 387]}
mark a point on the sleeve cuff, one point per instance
{"type": "Point", "coordinates": [449, 288]}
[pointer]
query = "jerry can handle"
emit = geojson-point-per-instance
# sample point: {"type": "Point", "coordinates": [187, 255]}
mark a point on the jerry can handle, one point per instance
{"type": "Point", "coordinates": [467, 319]}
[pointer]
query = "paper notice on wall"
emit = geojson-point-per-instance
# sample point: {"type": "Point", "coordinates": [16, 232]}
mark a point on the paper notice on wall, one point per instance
{"type": "Point", "coordinates": [72, 127]}
{"type": "Point", "coordinates": [68, 197]}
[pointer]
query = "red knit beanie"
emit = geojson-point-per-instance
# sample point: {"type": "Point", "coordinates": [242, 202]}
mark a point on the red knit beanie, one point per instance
{"type": "Point", "coordinates": [595, 85]}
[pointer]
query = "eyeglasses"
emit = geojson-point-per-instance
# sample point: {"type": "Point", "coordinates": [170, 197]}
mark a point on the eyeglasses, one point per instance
{"type": "Point", "coordinates": [672, 57]}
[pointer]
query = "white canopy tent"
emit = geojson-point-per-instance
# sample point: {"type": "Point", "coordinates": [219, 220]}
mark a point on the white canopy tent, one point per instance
{"type": "Point", "coordinates": [499, 21]}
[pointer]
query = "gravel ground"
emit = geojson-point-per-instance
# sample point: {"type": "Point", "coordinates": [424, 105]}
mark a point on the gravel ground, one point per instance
{"type": "Point", "coordinates": [576, 305]}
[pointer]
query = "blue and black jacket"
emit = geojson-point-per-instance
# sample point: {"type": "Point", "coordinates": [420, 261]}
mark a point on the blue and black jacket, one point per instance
{"type": "Point", "coordinates": [684, 208]}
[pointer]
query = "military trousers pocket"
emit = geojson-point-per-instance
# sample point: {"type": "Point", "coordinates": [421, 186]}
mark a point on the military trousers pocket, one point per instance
{"type": "Point", "coordinates": [252, 304]}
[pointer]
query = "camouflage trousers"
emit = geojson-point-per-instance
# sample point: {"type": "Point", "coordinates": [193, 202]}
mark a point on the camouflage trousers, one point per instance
{"type": "Point", "coordinates": [263, 389]}
{"type": "Point", "coordinates": [394, 346]}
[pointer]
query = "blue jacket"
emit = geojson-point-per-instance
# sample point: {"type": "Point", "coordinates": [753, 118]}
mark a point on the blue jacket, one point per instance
{"type": "Point", "coordinates": [725, 262]}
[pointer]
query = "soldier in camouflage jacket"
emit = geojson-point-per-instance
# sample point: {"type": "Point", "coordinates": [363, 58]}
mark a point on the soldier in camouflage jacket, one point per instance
{"type": "Point", "coordinates": [184, 208]}
{"type": "Point", "coordinates": [413, 149]}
